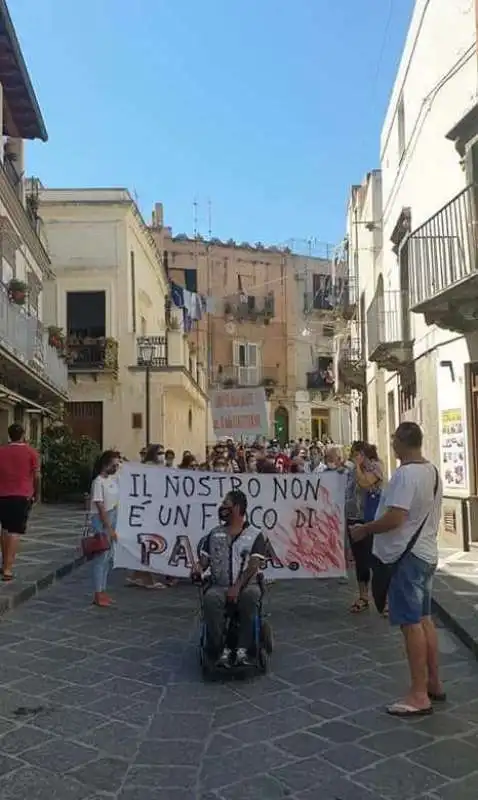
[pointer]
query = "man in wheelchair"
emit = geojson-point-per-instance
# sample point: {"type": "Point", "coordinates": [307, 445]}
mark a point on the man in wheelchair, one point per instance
{"type": "Point", "coordinates": [233, 552]}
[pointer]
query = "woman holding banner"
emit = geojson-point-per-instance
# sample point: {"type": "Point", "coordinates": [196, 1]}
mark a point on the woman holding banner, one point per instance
{"type": "Point", "coordinates": [365, 486]}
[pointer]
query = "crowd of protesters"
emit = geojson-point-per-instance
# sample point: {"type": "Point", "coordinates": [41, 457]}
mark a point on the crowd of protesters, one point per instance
{"type": "Point", "coordinates": [229, 456]}
{"type": "Point", "coordinates": [393, 525]}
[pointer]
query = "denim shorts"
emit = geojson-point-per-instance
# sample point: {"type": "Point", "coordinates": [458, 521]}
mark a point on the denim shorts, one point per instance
{"type": "Point", "coordinates": [410, 591]}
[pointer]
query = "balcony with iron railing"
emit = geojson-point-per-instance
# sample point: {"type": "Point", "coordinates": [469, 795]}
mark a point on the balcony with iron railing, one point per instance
{"type": "Point", "coordinates": [330, 297]}
{"type": "Point", "coordinates": [92, 355]}
{"type": "Point", "coordinates": [321, 380]}
{"type": "Point", "coordinates": [352, 365]}
{"type": "Point", "coordinates": [254, 307]}
{"type": "Point", "coordinates": [246, 376]}
{"type": "Point", "coordinates": [24, 337]}
{"type": "Point", "coordinates": [170, 354]}
{"type": "Point", "coordinates": [23, 207]}
{"type": "Point", "coordinates": [390, 344]}
{"type": "Point", "coordinates": [443, 264]}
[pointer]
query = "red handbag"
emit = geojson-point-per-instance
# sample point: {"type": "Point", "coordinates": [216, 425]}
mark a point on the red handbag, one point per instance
{"type": "Point", "coordinates": [94, 540]}
{"type": "Point", "coordinates": [92, 545]}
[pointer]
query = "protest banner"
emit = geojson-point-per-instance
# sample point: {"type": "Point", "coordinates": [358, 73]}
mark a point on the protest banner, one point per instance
{"type": "Point", "coordinates": [164, 513]}
{"type": "Point", "coordinates": [239, 413]}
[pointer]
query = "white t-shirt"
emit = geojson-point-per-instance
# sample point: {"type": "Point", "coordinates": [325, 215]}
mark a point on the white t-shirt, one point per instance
{"type": "Point", "coordinates": [105, 490]}
{"type": "Point", "coordinates": [411, 488]}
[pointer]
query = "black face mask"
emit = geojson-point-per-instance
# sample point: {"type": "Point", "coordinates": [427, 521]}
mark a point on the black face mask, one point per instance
{"type": "Point", "coordinates": [225, 514]}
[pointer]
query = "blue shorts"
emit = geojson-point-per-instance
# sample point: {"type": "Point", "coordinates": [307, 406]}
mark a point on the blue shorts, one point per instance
{"type": "Point", "coordinates": [410, 591]}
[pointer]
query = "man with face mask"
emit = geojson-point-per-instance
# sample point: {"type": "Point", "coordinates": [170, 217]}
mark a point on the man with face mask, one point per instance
{"type": "Point", "coordinates": [234, 552]}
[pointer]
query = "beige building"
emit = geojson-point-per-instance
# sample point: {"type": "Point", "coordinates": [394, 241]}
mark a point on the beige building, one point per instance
{"type": "Point", "coordinates": [132, 375]}
{"type": "Point", "coordinates": [413, 227]}
{"type": "Point", "coordinates": [33, 377]}
{"type": "Point", "coordinates": [323, 306]}
{"type": "Point", "coordinates": [252, 335]}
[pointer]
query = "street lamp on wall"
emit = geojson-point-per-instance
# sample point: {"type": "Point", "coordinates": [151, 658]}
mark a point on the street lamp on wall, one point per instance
{"type": "Point", "coordinates": [146, 359]}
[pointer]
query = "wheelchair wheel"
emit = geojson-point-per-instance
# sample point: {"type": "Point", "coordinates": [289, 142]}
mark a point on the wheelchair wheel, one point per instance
{"type": "Point", "coordinates": [263, 660]}
{"type": "Point", "coordinates": [267, 640]}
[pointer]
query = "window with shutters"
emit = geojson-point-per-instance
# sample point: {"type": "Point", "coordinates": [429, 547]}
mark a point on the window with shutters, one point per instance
{"type": "Point", "coordinates": [247, 363]}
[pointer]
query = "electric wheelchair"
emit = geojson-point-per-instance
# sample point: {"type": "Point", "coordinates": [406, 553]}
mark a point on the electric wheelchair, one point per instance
{"type": "Point", "coordinates": [260, 648]}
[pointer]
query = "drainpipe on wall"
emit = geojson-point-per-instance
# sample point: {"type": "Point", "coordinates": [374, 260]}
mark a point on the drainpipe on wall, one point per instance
{"type": "Point", "coordinates": [476, 23]}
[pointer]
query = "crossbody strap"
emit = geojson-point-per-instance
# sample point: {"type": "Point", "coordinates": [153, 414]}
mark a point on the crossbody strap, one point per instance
{"type": "Point", "coordinates": [411, 544]}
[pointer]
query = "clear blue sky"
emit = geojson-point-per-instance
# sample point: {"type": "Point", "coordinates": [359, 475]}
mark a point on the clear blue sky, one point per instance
{"type": "Point", "coordinates": [270, 108]}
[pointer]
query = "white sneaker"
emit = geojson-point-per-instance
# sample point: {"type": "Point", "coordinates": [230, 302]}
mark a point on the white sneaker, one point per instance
{"type": "Point", "coordinates": [225, 658]}
{"type": "Point", "coordinates": [241, 656]}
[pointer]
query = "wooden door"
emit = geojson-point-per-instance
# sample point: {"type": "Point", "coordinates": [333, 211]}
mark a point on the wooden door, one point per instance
{"type": "Point", "coordinates": [86, 419]}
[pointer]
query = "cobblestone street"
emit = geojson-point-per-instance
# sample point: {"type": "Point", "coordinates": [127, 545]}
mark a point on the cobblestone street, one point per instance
{"type": "Point", "coordinates": [110, 703]}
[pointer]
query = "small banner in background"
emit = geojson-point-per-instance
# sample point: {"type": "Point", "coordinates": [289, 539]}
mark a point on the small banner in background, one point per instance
{"type": "Point", "coordinates": [239, 413]}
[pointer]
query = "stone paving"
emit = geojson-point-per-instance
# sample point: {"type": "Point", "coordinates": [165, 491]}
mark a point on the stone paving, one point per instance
{"type": "Point", "coordinates": [456, 593]}
{"type": "Point", "coordinates": [109, 703]}
{"type": "Point", "coordinates": [48, 550]}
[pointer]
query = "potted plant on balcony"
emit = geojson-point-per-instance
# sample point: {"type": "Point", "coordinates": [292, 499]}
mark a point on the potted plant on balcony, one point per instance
{"type": "Point", "coordinates": [229, 383]}
{"type": "Point", "coordinates": [56, 338]}
{"type": "Point", "coordinates": [17, 291]}
{"type": "Point", "coordinates": [111, 353]}
{"type": "Point", "coordinates": [173, 324]}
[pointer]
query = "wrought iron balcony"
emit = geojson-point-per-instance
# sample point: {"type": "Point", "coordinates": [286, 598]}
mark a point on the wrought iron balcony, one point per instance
{"type": "Point", "coordinates": [24, 337]}
{"type": "Point", "coordinates": [390, 344]}
{"type": "Point", "coordinates": [92, 356]}
{"type": "Point", "coordinates": [352, 365]}
{"type": "Point", "coordinates": [320, 380]}
{"type": "Point", "coordinates": [152, 351]}
{"type": "Point", "coordinates": [443, 264]}
{"type": "Point", "coordinates": [241, 376]}
{"type": "Point", "coordinates": [244, 307]}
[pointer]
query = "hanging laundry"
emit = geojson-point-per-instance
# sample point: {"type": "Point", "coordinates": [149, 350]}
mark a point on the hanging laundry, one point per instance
{"type": "Point", "coordinates": [197, 307]}
{"type": "Point", "coordinates": [177, 295]}
{"type": "Point", "coordinates": [187, 321]}
{"type": "Point", "coordinates": [188, 301]}
{"type": "Point", "coordinates": [210, 304]}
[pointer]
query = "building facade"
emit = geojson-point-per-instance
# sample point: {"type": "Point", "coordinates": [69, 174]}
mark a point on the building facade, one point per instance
{"type": "Point", "coordinates": [323, 300]}
{"type": "Point", "coordinates": [421, 322]}
{"type": "Point", "coordinates": [33, 377]}
{"type": "Point", "coordinates": [132, 376]}
{"type": "Point", "coordinates": [252, 334]}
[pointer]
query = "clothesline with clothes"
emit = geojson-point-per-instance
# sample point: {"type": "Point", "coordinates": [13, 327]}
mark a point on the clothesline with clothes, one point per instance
{"type": "Point", "coordinates": [192, 304]}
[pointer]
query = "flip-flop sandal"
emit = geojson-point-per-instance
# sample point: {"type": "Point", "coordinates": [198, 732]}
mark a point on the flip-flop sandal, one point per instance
{"type": "Point", "coordinates": [360, 605]}
{"type": "Point", "coordinates": [406, 711]}
{"type": "Point", "coordinates": [134, 582]}
{"type": "Point", "coordinates": [437, 698]}
{"type": "Point", "coordinates": [7, 577]}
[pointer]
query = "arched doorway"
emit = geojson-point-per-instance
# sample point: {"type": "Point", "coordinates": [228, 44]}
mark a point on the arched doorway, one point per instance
{"type": "Point", "coordinates": [281, 424]}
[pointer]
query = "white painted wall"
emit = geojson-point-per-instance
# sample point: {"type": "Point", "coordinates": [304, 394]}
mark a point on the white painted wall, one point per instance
{"type": "Point", "coordinates": [437, 79]}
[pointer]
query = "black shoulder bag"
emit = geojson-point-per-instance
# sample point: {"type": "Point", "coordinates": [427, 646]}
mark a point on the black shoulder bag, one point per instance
{"type": "Point", "coordinates": [382, 573]}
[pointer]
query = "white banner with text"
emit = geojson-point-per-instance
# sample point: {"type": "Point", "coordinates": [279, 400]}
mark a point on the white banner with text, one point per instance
{"type": "Point", "coordinates": [164, 513]}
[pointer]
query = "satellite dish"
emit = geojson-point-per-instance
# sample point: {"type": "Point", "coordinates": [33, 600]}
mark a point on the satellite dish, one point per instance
{"type": "Point", "coordinates": [230, 328]}
{"type": "Point", "coordinates": [243, 298]}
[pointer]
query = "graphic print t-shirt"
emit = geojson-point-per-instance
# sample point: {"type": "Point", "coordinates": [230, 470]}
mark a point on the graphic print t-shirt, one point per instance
{"type": "Point", "coordinates": [228, 558]}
